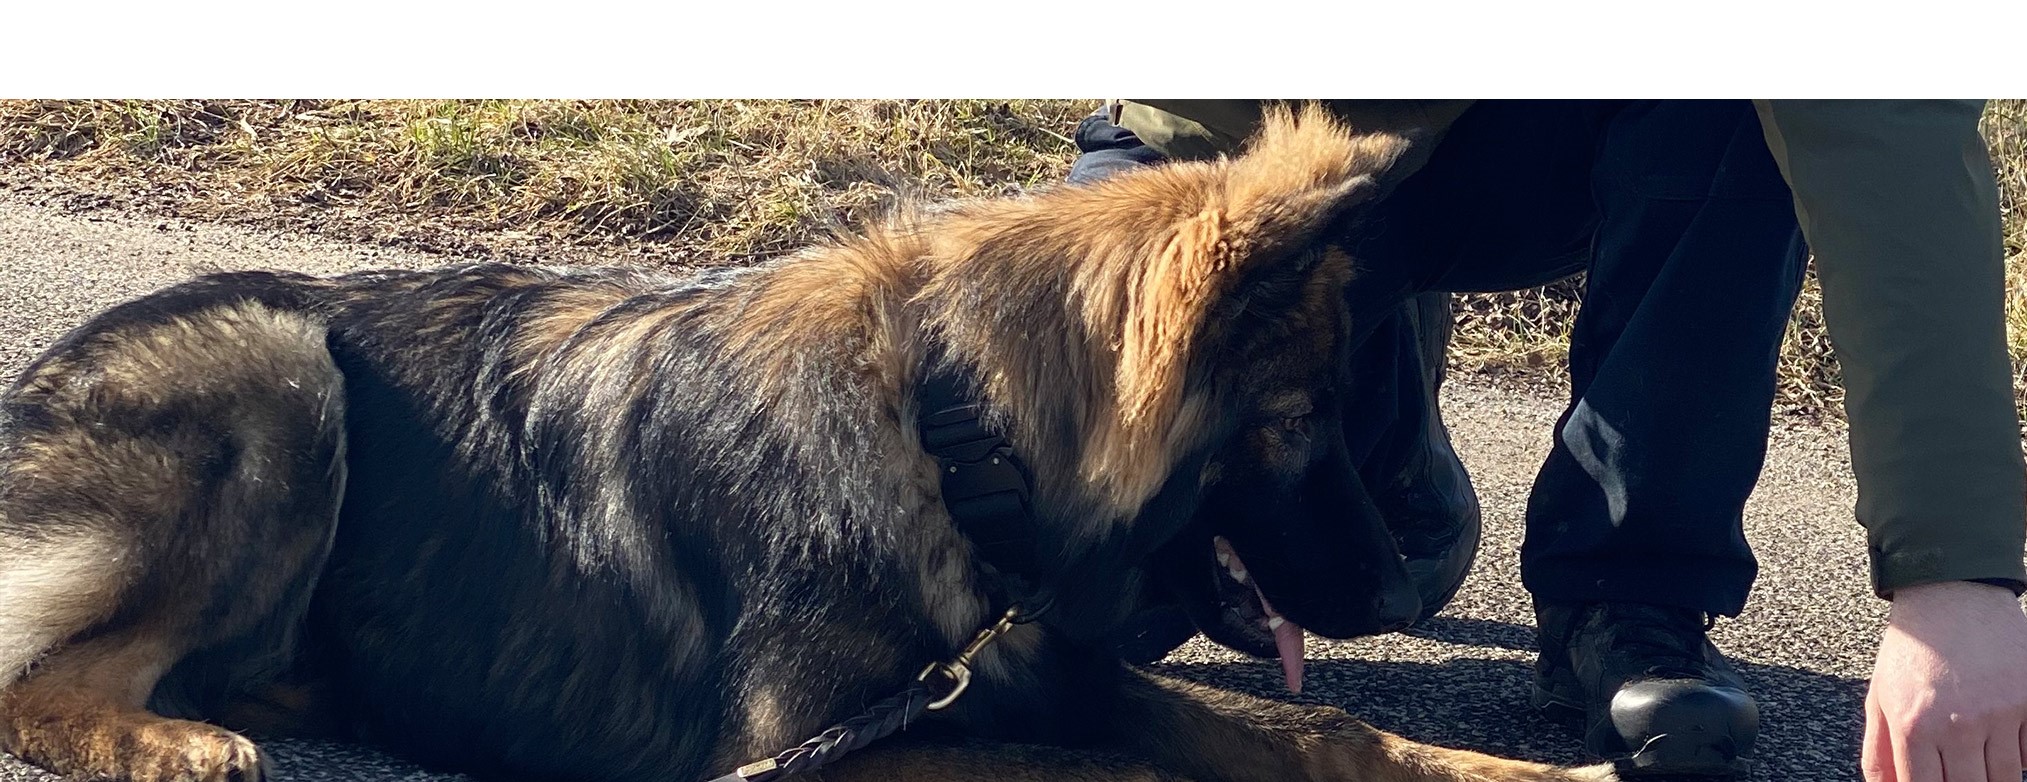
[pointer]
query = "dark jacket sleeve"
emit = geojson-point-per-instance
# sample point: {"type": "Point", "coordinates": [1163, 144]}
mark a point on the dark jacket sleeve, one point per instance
{"type": "Point", "coordinates": [1898, 202]}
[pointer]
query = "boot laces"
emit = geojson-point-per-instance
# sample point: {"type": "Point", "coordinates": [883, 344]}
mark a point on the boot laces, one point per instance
{"type": "Point", "coordinates": [1671, 640]}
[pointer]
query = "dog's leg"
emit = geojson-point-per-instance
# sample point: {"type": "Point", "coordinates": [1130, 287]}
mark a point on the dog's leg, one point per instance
{"type": "Point", "coordinates": [52, 585]}
{"type": "Point", "coordinates": [1213, 734]}
{"type": "Point", "coordinates": [287, 709]}
{"type": "Point", "coordinates": [169, 489]}
{"type": "Point", "coordinates": [82, 713]}
{"type": "Point", "coordinates": [982, 761]}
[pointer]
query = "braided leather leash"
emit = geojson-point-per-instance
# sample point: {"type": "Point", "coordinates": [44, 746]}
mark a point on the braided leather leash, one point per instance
{"type": "Point", "coordinates": [890, 715]}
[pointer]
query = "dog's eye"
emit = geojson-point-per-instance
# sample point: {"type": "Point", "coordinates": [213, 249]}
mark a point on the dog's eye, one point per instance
{"type": "Point", "coordinates": [1294, 423]}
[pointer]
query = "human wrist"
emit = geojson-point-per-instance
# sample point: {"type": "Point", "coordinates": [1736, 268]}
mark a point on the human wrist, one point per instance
{"type": "Point", "coordinates": [1943, 597]}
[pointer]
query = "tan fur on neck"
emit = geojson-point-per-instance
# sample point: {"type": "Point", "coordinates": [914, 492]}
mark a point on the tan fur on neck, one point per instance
{"type": "Point", "coordinates": [1139, 266]}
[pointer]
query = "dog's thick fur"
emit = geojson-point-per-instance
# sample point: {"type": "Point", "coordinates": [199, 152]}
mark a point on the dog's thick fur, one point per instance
{"type": "Point", "coordinates": [604, 524]}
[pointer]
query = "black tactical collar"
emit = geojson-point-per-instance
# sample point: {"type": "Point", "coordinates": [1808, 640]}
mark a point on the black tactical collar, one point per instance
{"type": "Point", "coordinates": [987, 489]}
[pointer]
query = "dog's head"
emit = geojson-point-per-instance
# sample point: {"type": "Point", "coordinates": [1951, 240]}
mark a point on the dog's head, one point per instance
{"type": "Point", "coordinates": [1194, 396]}
{"type": "Point", "coordinates": [1283, 536]}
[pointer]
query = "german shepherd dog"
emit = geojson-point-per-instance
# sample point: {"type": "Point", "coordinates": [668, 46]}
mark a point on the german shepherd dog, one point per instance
{"type": "Point", "coordinates": [614, 524]}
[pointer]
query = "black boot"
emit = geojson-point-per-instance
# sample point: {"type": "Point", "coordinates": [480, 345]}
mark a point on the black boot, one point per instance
{"type": "Point", "coordinates": [1646, 687]}
{"type": "Point", "coordinates": [1429, 503]}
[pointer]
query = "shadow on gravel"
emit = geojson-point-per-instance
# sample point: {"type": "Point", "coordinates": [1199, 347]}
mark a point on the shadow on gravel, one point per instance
{"type": "Point", "coordinates": [1475, 632]}
{"type": "Point", "coordinates": [1810, 723]}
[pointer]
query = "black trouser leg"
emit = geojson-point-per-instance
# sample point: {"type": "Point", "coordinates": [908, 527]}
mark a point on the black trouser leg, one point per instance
{"type": "Point", "coordinates": [1695, 268]}
{"type": "Point", "coordinates": [1686, 228]}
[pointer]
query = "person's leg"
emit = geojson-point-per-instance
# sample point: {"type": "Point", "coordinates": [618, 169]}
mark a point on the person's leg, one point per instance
{"type": "Point", "coordinates": [1502, 202]}
{"type": "Point", "coordinates": [1635, 525]}
{"type": "Point", "coordinates": [1696, 267]}
{"type": "Point", "coordinates": [1105, 148]}
{"type": "Point", "coordinates": [1522, 192]}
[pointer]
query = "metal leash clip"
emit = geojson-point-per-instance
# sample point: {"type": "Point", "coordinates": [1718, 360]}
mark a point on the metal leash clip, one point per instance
{"type": "Point", "coordinates": [958, 671]}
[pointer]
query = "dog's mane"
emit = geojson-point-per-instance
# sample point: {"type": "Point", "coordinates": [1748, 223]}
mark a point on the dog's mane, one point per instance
{"type": "Point", "coordinates": [1079, 311]}
{"type": "Point", "coordinates": [1076, 311]}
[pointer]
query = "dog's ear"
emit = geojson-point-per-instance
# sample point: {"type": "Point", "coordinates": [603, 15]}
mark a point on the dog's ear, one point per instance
{"type": "Point", "coordinates": [1303, 176]}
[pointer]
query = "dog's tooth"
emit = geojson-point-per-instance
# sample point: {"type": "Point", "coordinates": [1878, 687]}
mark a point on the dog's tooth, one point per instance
{"type": "Point", "coordinates": [1275, 622]}
{"type": "Point", "coordinates": [1229, 559]}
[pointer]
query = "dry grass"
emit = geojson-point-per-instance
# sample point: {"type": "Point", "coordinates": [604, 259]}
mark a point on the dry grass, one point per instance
{"type": "Point", "coordinates": [703, 180]}
{"type": "Point", "coordinates": [2005, 128]}
{"type": "Point", "coordinates": [689, 182]}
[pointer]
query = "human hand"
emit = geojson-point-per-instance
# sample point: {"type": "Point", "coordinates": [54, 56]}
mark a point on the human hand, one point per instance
{"type": "Point", "coordinates": [1948, 701]}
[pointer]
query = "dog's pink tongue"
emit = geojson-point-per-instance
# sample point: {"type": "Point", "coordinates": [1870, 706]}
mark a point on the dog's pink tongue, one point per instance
{"type": "Point", "coordinates": [1287, 641]}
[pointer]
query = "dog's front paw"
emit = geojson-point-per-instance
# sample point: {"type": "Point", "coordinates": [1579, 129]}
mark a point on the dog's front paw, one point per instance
{"type": "Point", "coordinates": [144, 749]}
{"type": "Point", "coordinates": [198, 752]}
